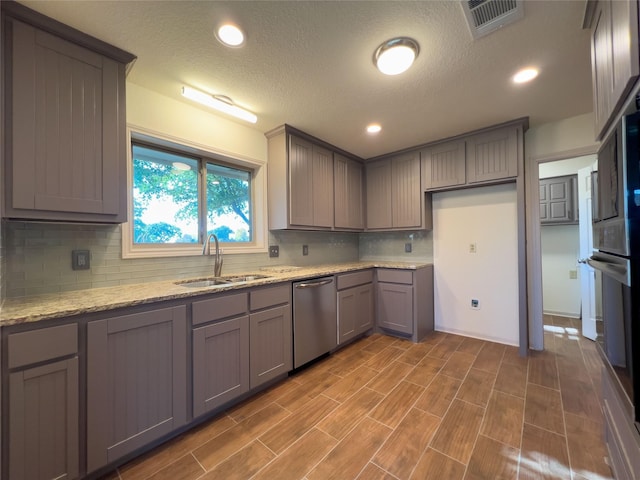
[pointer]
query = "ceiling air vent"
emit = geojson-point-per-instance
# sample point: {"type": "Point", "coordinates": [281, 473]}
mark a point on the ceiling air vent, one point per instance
{"type": "Point", "coordinates": [486, 16]}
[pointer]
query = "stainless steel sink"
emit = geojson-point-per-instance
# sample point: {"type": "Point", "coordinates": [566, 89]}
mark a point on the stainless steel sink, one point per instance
{"type": "Point", "coordinates": [218, 281]}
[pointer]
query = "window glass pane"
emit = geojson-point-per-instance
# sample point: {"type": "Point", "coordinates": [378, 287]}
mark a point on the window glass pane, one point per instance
{"type": "Point", "coordinates": [165, 197]}
{"type": "Point", "coordinates": [229, 203]}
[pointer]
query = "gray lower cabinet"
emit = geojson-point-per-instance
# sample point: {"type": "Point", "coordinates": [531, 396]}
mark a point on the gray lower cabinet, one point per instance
{"type": "Point", "coordinates": [240, 341]}
{"type": "Point", "coordinates": [220, 350]}
{"type": "Point", "coordinates": [43, 418]}
{"type": "Point", "coordinates": [355, 304]}
{"type": "Point", "coordinates": [270, 333]}
{"type": "Point", "coordinates": [220, 363]}
{"type": "Point", "coordinates": [136, 381]}
{"type": "Point", "coordinates": [404, 301]}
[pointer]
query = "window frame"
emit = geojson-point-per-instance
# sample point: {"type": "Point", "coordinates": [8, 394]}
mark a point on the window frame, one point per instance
{"type": "Point", "coordinates": [258, 198]}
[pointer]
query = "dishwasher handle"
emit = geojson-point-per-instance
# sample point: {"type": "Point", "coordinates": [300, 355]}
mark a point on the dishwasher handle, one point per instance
{"type": "Point", "coordinates": [319, 283]}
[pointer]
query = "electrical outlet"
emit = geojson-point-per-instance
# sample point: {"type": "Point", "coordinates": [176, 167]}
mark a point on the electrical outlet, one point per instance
{"type": "Point", "coordinates": [274, 251]}
{"type": "Point", "coordinates": [305, 249]}
{"type": "Point", "coordinates": [573, 274]}
{"type": "Point", "coordinates": [473, 248]}
{"type": "Point", "coordinates": [475, 304]}
{"type": "Point", "coordinates": [407, 247]}
{"type": "Point", "coordinates": [80, 259]}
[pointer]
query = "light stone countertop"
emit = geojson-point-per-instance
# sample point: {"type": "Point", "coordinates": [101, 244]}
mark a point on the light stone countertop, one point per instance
{"type": "Point", "coordinates": [50, 306]}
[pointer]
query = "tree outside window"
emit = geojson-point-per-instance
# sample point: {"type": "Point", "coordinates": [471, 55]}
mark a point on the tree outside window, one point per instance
{"type": "Point", "coordinates": [168, 200]}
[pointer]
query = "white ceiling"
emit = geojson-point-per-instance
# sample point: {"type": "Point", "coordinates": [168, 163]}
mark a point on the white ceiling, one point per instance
{"type": "Point", "coordinates": [309, 63]}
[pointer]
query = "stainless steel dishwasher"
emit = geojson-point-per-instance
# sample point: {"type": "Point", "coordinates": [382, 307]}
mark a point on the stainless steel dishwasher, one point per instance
{"type": "Point", "coordinates": [314, 319]}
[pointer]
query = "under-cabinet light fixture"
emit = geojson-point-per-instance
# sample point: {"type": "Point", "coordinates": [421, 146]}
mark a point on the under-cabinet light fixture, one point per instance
{"type": "Point", "coordinates": [219, 102]}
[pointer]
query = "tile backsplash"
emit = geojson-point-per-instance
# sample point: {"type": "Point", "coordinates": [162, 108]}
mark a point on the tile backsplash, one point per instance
{"type": "Point", "coordinates": [36, 257]}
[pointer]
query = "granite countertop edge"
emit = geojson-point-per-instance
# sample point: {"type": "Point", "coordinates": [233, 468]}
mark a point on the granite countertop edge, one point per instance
{"type": "Point", "coordinates": [37, 308]}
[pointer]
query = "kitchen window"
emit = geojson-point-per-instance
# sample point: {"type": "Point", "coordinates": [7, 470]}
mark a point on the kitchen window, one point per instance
{"type": "Point", "coordinates": [179, 194]}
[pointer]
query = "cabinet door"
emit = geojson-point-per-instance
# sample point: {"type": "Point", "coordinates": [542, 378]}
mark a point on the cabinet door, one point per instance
{"type": "Point", "coordinates": [310, 184]}
{"type": "Point", "coordinates": [271, 344]}
{"type": "Point", "coordinates": [379, 212]}
{"type": "Point", "coordinates": [395, 307]}
{"type": "Point", "coordinates": [347, 314]}
{"type": "Point", "coordinates": [348, 206]}
{"type": "Point", "coordinates": [557, 200]}
{"type": "Point", "coordinates": [322, 187]}
{"type": "Point", "coordinates": [43, 422]}
{"type": "Point", "coordinates": [365, 317]}
{"type": "Point", "coordinates": [68, 152]}
{"type": "Point", "coordinates": [300, 182]}
{"type": "Point", "coordinates": [220, 363]}
{"type": "Point", "coordinates": [406, 194]}
{"type": "Point", "coordinates": [492, 155]}
{"type": "Point", "coordinates": [601, 64]}
{"type": "Point", "coordinates": [443, 165]}
{"type": "Point", "coordinates": [136, 381]}
{"type": "Point", "coordinates": [624, 35]}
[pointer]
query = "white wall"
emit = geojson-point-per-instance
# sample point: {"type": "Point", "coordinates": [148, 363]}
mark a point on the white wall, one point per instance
{"type": "Point", "coordinates": [486, 216]}
{"type": "Point", "coordinates": [165, 115]}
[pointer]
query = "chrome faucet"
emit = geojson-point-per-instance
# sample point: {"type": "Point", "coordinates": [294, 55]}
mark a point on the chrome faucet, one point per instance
{"type": "Point", "coordinates": [217, 261]}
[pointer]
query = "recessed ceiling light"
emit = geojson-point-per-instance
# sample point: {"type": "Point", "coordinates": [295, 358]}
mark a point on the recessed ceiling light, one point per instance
{"type": "Point", "coordinates": [373, 128]}
{"type": "Point", "coordinates": [525, 75]}
{"type": "Point", "coordinates": [396, 55]}
{"type": "Point", "coordinates": [230, 35]}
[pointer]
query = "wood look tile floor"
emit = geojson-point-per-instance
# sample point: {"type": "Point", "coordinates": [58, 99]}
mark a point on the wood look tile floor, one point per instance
{"type": "Point", "coordinates": [450, 407]}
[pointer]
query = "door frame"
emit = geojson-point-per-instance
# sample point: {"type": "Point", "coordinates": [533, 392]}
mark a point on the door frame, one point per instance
{"type": "Point", "coordinates": [534, 252]}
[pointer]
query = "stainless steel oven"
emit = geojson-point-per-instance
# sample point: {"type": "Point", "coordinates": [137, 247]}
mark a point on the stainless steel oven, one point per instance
{"type": "Point", "coordinates": [616, 257]}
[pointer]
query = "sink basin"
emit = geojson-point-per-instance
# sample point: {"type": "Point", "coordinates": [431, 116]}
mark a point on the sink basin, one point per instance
{"type": "Point", "coordinates": [213, 282]}
{"type": "Point", "coordinates": [203, 283]}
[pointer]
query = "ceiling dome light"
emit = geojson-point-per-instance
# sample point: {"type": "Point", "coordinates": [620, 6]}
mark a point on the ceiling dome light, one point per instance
{"type": "Point", "coordinates": [396, 55]}
{"type": "Point", "coordinates": [230, 35]}
{"type": "Point", "coordinates": [373, 128]}
{"type": "Point", "coordinates": [525, 75]}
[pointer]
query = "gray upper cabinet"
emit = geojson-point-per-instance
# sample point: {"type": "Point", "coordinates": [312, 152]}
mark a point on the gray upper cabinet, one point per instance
{"type": "Point", "coordinates": [486, 157]}
{"type": "Point", "coordinates": [43, 397]}
{"type": "Point", "coordinates": [614, 56]}
{"type": "Point", "coordinates": [310, 184]}
{"type": "Point", "coordinates": [348, 193]}
{"type": "Point", "coordinates": [65, 113]}
{"type": "Point", "coordinates": [300, 183]}
{"type": "Point", "coordinates": [558, 200]}
{"type": "Point", "coordinates": [136, 381]}
{"type": "Point", "coordinates": [394, 197]}
{"type": "Point", "coordinates": [492, 155]}
{"type": "Point", "coordinates": [444, 165]}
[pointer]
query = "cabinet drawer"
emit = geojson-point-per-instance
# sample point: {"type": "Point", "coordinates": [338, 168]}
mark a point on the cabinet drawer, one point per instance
{"type": "Point", "coordinates": [270, 296]}
{"type": "Point", "coordinates": [219, 308]}
{"type": "Point", "coordinates": [348, 280]}
{"type": "Point", "coordinates": [395, 276]}
{"type": "Point", "coordinates": [43, 344]}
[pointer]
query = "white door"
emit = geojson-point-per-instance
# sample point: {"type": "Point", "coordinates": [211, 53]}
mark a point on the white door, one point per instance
{"type": "Point", "coordinates": [587, 275]}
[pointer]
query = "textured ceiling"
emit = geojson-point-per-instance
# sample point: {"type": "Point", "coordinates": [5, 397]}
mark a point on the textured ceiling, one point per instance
{"type": "Point", "coordinates": [309, 64]}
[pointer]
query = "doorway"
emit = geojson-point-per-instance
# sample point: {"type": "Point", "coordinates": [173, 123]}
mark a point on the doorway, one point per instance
{"type": "Point", "coordinates": [568, 290]}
